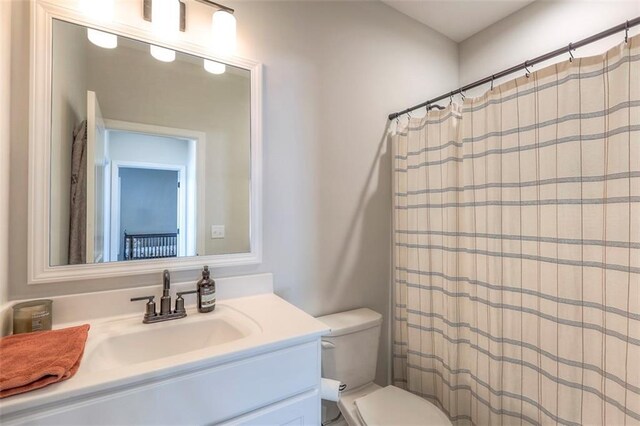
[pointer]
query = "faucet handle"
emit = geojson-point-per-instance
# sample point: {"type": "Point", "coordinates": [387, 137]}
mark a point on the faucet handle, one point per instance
{"type": "Point", "coordinates": [150, 306]}
{"type": "Point", "coordinates": [149, 298]}
{"type": "Point", "coordinates": [180, 301]}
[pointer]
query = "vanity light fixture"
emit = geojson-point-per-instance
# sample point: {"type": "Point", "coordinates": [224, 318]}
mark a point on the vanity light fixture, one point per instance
{"type": "Point", "coordinates": [165, 20]}
{"type": "Point", "coordinates": [100, 10]}
{"type": "Point", "coordinates": [167, 16]}
{"type": "Point", "coordinates": [214, 67]}
{"type": "Point", "coordinates": [223, 33]}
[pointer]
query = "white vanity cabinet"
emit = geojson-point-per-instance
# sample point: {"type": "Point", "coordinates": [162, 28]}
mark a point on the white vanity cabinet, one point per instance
{"type": "Point", "coordinates": [255, 360]}
{"type": "Point", "coordinates": [272, 388]}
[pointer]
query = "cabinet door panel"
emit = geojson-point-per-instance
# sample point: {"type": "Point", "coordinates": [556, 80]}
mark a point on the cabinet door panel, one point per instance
{"type": "Point", "coordinates": [299, 411]}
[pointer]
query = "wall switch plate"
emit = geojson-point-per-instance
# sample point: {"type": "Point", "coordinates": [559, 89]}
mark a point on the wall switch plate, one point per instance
{"type": "Point", "coordinates": [217, 231]}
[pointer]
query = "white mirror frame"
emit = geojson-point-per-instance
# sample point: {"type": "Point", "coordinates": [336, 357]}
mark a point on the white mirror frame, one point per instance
{"type": "Point", "coordinates": [39, 270]}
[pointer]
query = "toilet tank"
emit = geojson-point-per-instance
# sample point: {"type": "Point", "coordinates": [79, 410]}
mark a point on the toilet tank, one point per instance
{"type": "Point", "coordinates": [350, 350]}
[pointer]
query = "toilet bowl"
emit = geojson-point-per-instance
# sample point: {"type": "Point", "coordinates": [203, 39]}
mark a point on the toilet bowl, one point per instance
{"type": "Point", "coordinates": [350, 354]}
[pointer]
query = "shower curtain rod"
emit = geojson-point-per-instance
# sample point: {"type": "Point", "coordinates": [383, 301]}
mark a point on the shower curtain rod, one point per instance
{"type": "Point", "coordinates": [526, 64]}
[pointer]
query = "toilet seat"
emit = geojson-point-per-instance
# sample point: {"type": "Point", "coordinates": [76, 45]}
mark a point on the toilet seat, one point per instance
{"type": "Point", "coordinates": [394, 406]}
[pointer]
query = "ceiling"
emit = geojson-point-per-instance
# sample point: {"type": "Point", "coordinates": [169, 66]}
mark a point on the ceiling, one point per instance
{"type": "Point", "coordinates": [457, 19]}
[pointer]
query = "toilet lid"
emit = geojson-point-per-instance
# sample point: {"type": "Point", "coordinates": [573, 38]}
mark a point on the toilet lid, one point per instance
{"type": "Point", "coordinates": [394, 406]}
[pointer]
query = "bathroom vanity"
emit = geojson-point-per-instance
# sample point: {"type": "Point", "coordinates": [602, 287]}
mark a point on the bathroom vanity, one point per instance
{"type": "Point", "coordinates": [254, 360]}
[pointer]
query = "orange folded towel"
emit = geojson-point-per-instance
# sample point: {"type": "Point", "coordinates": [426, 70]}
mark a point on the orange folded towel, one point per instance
{"type": "Point", "coordinates": [33, 360]}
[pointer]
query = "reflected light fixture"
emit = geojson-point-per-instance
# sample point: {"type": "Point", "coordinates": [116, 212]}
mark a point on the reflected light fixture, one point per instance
{"type": "Point", "coordinates": [162, 54]}
{"type": "Point", "coordinates": [214, 67]}
{"type": "Point", "coordinates": [102, 11]}
{"type": "Point", "coordinates": [165, 21]}
{"type": "Point", "coordinates": [102, 39]}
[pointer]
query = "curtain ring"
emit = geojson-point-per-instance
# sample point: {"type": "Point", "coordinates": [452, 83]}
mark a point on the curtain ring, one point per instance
{"type": "Point", "coordinates": [570, 54]}
{"type": "Point", "coordinates": [462, 95]}
{"type": "Point", "coordinates": [450, 98]}
{"type": "Point", "coordinates": [526, 69]}
{"type": "Point", "coordinates": [626, 32]}
{"type": "Point", "coordinates": [492, 77]}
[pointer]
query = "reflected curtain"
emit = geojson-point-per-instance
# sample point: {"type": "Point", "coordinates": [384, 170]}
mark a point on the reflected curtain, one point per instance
{"type": "Point", "coordinates": [78, 209]}
{"type": "Point", "coordinates": [517, 248]}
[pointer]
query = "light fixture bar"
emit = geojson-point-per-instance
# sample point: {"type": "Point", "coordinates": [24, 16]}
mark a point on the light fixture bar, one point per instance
{"type": "Point", "coordinates": [217, 5]}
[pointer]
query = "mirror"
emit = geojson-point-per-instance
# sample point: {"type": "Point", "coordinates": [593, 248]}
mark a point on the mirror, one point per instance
{"type": "Point", "coordinates": [148, 159]}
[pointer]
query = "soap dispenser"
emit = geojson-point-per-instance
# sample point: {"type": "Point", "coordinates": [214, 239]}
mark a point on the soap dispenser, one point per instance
{"type": "Point", "coordinates": [206, 292]}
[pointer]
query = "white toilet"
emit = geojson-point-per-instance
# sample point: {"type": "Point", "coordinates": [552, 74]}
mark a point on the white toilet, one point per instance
{"type": "Point", "coordinates": [350, 354]}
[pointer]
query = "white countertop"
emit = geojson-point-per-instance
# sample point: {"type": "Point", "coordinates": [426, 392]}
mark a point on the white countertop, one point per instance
{"type": "Point", "coordinates": [275, 324]}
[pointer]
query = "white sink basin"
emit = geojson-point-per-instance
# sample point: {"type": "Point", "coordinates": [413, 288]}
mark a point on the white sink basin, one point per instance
{"type": "Point", "coordinates": [128, 342]}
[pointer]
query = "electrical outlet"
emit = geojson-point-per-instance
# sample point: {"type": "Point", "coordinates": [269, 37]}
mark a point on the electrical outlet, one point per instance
{"type": "Point", "coordinates": [217, 231]}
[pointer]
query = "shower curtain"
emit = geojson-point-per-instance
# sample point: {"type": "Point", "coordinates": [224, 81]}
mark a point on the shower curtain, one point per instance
{"type": "Point", "coordinates": [517, 249]}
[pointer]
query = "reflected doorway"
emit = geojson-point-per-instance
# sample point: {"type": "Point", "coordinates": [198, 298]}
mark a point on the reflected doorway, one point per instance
{"type": "Point", "coordinates": [150, 211]}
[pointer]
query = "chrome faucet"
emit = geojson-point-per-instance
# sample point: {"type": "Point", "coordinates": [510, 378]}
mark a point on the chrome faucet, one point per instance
{"type": "Point", "coordinates": [166, 314]}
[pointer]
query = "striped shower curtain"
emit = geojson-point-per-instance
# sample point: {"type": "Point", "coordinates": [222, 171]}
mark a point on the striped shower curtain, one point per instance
{"type": "Point", "coordinates": [517, 249]}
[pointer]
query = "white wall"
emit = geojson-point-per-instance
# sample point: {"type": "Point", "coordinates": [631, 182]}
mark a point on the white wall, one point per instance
{"type": "Point", "coordinates": [333, 71]}
{"type": "Point", "coordinates": [541, 27]}
{"type": "Point", "coordinates": [5, 120]}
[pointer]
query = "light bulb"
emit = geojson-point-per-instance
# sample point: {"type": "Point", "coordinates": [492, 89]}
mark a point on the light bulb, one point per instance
{"type": "Point", "coordinates": [214, 67]}
{"type": "Point", "coordinates": [223, 33]}
{"type": "Point", "coordinates": [102, 39]}
{"type": "Point", "coordinates": [162, 54]}
{"type": "Point", "coordinates": [165, 18]}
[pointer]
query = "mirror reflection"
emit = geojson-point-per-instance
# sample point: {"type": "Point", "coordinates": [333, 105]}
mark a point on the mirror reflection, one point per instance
{"type": "Point", "coordinates": [149, 158]}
